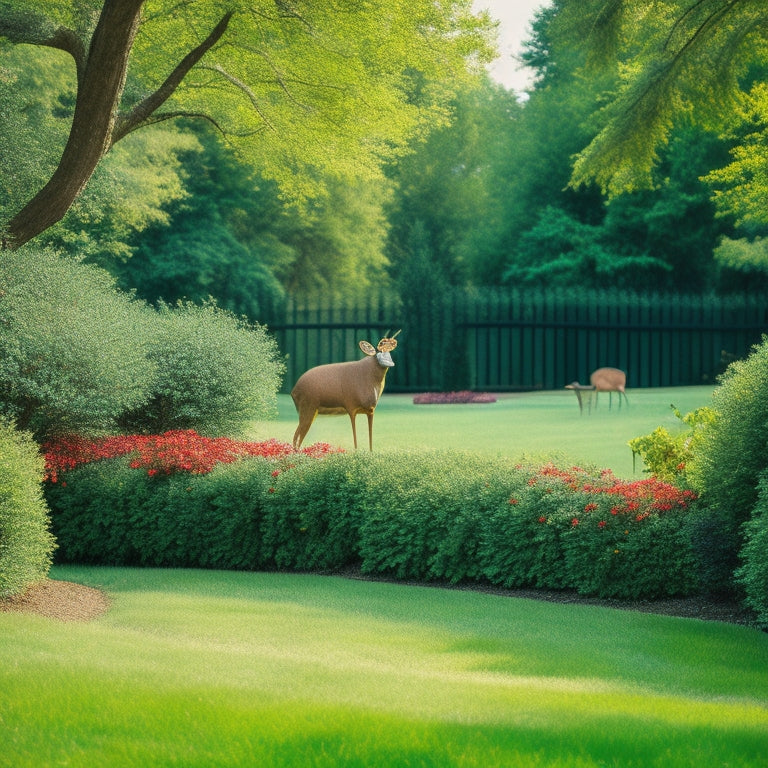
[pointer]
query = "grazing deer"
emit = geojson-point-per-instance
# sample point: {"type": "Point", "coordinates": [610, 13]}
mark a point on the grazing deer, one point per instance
{"type": "Point", "coordinates": [581, 389]}
{"type": "Point", "coordinates": [353, 387]}
{"type": "Point", "coordinates": [608, 380]}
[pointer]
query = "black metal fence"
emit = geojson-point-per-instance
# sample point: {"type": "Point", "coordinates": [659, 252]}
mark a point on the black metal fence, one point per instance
{"type": "Point", "coordinates": [501, 340]}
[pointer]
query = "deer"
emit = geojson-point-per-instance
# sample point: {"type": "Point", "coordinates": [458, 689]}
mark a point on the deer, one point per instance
{"type": "Point", "coordinates": [352, 387]}
{"type": "Point", "coordinates": [601, 380]}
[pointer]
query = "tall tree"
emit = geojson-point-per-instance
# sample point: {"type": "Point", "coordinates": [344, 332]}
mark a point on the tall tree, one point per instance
{"type": "Point", "coordinates": [294, 84]}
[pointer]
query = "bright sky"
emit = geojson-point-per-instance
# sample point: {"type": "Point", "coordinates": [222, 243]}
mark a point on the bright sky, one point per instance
{"type": "Point", "coordinates": [515, 17]}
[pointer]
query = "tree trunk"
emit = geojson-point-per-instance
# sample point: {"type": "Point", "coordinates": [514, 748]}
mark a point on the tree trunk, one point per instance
{"type": "Point", "coordinates": [98, 99]}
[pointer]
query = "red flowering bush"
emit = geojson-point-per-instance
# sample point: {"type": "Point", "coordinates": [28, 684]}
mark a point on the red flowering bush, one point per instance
{"type": "Point", "coordinates": [463, 396]}
{"type": "Point", "coordinates": [166, 454]}
{"type": "Point", "coordinates": [593, 532]}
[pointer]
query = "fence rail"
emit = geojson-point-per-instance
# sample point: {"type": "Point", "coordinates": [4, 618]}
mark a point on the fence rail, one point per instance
{"type": "Point", "coordinates": [507, 341]}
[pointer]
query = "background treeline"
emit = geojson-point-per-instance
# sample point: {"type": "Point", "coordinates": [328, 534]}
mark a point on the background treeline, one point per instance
{"type": "Point", "coordinates": [483, 201]}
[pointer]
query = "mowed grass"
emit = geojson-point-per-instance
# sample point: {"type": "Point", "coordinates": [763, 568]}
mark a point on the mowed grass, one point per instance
{"type": "Point", "coordinates": [195, 668]}
{"type": "Point", "coordinates": [530, 423]}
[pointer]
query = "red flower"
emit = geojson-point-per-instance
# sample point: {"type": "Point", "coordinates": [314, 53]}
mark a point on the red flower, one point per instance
{"type": "Point", "coordinates": [514, 501]}
{"type": "Point", "coordinates": [574, 522]}
{"type": "Point", "coordinates": [601, 524]}
{"type": "Point", "coordinates": [591, 506]}
{"type": "Point", "coordinates": [542, 519]}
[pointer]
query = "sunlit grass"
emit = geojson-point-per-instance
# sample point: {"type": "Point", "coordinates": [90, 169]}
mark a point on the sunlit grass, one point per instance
{"type": "Point", "coordinates": [530, 423]}
{"type": "Point", "coordinates": [196, 668]}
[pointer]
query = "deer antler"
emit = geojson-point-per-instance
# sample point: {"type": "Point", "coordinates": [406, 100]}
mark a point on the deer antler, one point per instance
{"type": "Point", "coordinates": [388, 343]}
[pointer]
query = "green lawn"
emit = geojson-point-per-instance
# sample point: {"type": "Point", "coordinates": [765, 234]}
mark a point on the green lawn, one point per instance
{"type": "Point", "coordinates": [196, 668]}
{"type": "Point", "coordinates": [526, 423]}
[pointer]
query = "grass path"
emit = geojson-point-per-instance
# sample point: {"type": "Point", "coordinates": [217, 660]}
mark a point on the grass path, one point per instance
{"type": "Point", "coordinates": [196, 668]}
{"type": "Point", "coordinates": [525, 423]}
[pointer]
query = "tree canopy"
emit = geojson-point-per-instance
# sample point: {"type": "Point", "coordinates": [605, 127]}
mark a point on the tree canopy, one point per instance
{"type": "Point", "coordinates": [295, 85]}
{"type": "Point", "coordinates": [677, 59]}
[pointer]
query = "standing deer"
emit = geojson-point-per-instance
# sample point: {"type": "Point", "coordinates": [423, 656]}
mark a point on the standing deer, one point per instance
{"type": "Point", "coordinates": [353, 387]}
{"type": "Point", "coordinates": [602, 380]}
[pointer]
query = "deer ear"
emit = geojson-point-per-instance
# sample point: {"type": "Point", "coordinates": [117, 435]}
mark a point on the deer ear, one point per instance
{"type": "Point", "coordinates": [367, 348]}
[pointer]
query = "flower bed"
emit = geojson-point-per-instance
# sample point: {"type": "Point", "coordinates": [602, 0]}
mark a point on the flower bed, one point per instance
{"type": "Point", "coordinates": [173, 451]}
{"type": "Point", "coordinates": [463, 396]}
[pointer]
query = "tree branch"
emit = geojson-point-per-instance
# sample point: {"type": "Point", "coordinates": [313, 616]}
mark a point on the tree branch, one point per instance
{"type": "Point", "coordinates": [99, 92]}
{"type": "Point", "coordinates": [141, 113]}
{"type": "Point", "coordinates": [33, 28]}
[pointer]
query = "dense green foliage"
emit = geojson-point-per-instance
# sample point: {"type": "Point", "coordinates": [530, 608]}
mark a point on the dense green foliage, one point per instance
{"type": "Point", "coordinates": [26, 543]}
{"type": "Point", "coordinates": [73, 348]}
{"type": "Point", "coordinates": [431, 517]}
{"type": "Point", "coordinates": [482, 199]}
{"type": "Point", "coordinates": [752, 575]}
{"type": "Point", "coordinates": [79, 356]}
{"type": "Point", "coordinates": [303, 94]}
{"type": "Point", "coordinates": [729, 464]}
{"type": "Point", "coordinates": [214, 372]}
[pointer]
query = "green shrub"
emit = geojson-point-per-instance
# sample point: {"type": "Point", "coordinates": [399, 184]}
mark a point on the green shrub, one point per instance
{"type": "Point", "coordinates": [667, 455]}
{"type": "Point", "coordinates": [312, 518]}
{"type": "Point", "coordinates": [72, 350]}
{"type": "Point", "coordinates": [753, 573]}
{"type": "Point", "coordinates": [216, 373]}
{"type": "Point", "coordinates": [727, 467]}
{"type": "Point", "coordinates": [423, 514]}
{"type": "Point", "coordinates": [26, 543]}
{"type": "Point", "coordinates": [106, 513]}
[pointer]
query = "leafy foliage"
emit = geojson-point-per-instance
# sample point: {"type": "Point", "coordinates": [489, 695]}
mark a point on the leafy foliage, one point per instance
{"type": "Point", "coordinates": [73, 347]}
{"type": "Point", "coordinates": [752, 575]}
{"type": "Point", "coordinates": [674, 59]}
{"type": "Point", "coordinates": [26, 543]}
{"type": "Point", "coordinates": [730, 462]}
{"type": "Point", "coordinates": [127, 192]}
{"type": "Point", "coordinates": [296, 88]}
{"type": "Point", "coordinates": [215, 372]}
{"type": "Point", "coordinates": [666, 455]}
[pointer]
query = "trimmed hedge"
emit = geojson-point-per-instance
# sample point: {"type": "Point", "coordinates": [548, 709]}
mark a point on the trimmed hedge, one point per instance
{"type": "Point", "coordinates": [26, 544]}
{"type": "Point", "coordinates": [444, 517]}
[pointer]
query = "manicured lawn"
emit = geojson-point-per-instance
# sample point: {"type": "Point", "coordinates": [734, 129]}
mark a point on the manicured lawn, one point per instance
{"type": "Point", "coordinates": [196, 668]}
{"type": "Point", "coordinates": [533, 423]}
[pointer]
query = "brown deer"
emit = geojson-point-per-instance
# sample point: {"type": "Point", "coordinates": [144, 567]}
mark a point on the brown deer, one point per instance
{"type": "Point", "coordinates": [608, 380]}
{"type": "Point", "coordinates": [352, 388]}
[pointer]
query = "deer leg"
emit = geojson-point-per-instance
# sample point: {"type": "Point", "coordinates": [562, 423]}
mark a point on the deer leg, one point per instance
{"type": "Point", "coordinates": [370, 431]}
{"type": "Point", "coordinates": [352, 417]}
{"type": "Point", "coordinates": [305, 422]}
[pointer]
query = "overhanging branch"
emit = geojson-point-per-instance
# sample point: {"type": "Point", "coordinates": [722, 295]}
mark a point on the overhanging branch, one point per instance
{"type": "Point", "coordinates": [142, 112]}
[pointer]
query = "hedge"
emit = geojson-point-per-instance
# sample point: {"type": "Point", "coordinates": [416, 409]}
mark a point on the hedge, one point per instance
{"type": "Point", "coordinates": [441, 517]}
